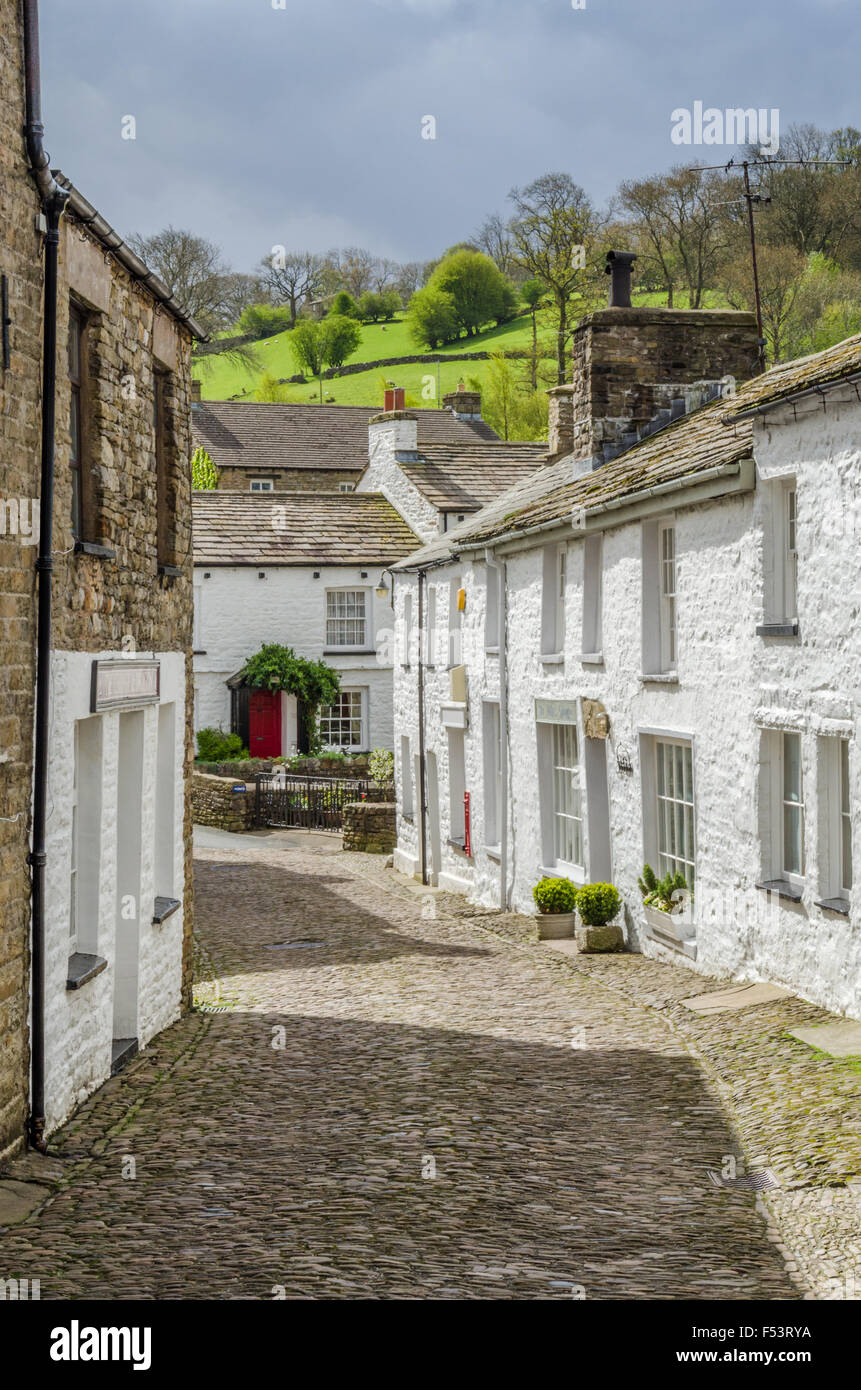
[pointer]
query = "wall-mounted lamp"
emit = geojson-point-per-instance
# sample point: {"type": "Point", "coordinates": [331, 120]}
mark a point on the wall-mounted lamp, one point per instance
{"type": "Point", "coordinates": [382, 589]}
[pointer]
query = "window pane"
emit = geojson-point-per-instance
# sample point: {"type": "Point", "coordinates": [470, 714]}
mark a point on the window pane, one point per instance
{"type": "Point", "coordinates": [792, 767]}
{"type": "Point", "coordinates": [792, 839]}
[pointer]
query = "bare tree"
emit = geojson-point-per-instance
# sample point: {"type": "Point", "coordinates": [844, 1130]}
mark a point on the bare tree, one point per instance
{"type": "Point", "coordinates": [495, 240]}
{"type": "Point", "coordinates": [291, 277]}
{"type": "Point", "coordinates": [679, 218]}
{"type": "Point", "coordinates": [780, 278]}
{"type": "Point", "coordinates": [384, 274]}
{"type": "Point", "coordinates": [356, 266]}
{"type": "Point", "coordinates": [196, 275]}
{"type": "Point", "coordinates": [554, 230]}
{"type": "Point", "coordinates": [410, 278]}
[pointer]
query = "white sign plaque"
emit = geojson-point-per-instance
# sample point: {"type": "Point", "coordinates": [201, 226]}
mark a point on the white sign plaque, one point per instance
{"type": "Point", "coordinates": [124, 684]}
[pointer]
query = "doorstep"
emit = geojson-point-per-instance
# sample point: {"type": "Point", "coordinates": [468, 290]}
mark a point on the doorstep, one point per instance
{"type": "Point", "coordinates": [122, 1051]}
{"type": "Point", "coordinates": [740, 997]}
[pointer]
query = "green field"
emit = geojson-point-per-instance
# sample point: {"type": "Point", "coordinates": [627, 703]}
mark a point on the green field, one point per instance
{"type": "Point", "coordinates": [223, 380]}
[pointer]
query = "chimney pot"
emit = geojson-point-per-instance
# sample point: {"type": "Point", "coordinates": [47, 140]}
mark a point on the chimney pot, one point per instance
{"type": "Point", "coordinates": [619, 268]}
{"type": "Point", "coordinates": [394, 399]}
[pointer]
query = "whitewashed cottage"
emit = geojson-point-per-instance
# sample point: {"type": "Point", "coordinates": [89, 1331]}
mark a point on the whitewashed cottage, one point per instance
{"type": "Point", "coordinates": [650, 652]}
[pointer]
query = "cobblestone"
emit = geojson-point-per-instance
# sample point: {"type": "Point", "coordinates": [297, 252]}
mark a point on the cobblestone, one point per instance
{"type": "Point", "coordinates": [418, 1108]}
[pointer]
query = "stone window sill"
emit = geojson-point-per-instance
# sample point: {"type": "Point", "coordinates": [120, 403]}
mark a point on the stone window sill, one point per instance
{"type": "Point", "coordinates": [82, 968]}
{"type": "Point", "coordinates": [660, 677]}
{"type": "Point", "coordinates": [777, 629]}
{"type": "Point", "coordinates": [491, 651]}
{"type": "Point", "coordinates": [782, 887]}
{"type": "Point", "coordinates": [457, 842]}
{"type": "Point", "coordinates": [592, 658]}
{"type": "Point", "coordinates": [494, 852]}
{"type": "Point", "coordinates": [101, 552]}
{"type": "Point", "coordinates": [552, 658]}
{"type": "Point", "coordinates": [350, 651]}
{"type": "Point", "coordinates": [410, 819]}
{"type": "Point", "coordinates": [164, 908]}
{"type": "Point", "coordinates": [199, 652]}
{"type": "Point", "coordinates": [840, 905]}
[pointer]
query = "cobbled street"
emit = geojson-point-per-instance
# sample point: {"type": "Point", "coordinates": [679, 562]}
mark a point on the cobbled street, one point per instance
{"type": "Point", "coordinates": [373, 1102]}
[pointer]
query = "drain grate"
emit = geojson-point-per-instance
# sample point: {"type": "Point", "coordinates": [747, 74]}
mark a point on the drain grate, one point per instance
{"type": "Point", "coordinates": [748, 1182]}
{"type": "Point", "coordinates": [299, 945]}
{"type": "Point", "coordinates": [214, 1008]}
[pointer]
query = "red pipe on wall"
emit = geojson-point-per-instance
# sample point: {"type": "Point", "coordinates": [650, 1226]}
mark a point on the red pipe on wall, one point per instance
{"type": "Point", "coordinates": [467, 838]}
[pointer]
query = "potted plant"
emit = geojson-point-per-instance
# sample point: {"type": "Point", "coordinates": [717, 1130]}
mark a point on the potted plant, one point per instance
{"type": "Point", "coordinates": [556, 900]}
{"type": "Point", "coordinates": [597, 906]}
{"type": "Point", "coordinates": [667, 903]}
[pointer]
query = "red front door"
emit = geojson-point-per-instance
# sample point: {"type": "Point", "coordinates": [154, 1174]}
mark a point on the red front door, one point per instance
{"type": "Point", "coordinates": [264, 723]}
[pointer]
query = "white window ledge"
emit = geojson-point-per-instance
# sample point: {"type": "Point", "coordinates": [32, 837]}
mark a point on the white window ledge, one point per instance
{"type": "Point", "coordinates": [493, 852]}
{"type": "Point", "coordinates": [661, 677]}
{"type": "Point", "coordinates": [552, 658]}
{"type": "Point", "coordinates": [592, 658]}
{"type": "Point", "coordinates": [572, 871]}
{"type": "Point", "coordinates": [491, 651]}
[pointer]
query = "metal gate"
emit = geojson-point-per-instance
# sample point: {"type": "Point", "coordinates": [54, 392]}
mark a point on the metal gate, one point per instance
{"type": "Point", "coordinates": [308, 803]}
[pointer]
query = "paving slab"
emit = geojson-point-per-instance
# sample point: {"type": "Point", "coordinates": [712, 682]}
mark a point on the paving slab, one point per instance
{"type": "Point", "coordinates": [837, 1039]}
{"type": "Point", "coordinates": [739, 997]}
{"type": "Point", "coordinates": [18, 1199]}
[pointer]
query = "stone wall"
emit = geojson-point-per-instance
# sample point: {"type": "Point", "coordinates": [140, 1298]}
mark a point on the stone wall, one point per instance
{"type": "Point", "coordinates": [214, 802]}
{"type": "Point", "coordinates": [560, 424]}
{"type": "Point", "coordinates": [289, 479]}
{"type": "Point", "coordinates": [627, 360]}
{"type": "Point", "coordinates": [21, 262]}
{"type": "Point", "coordinates": [370, 826]}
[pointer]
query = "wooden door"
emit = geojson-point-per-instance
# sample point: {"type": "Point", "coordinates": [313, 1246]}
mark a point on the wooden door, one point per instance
{"type": "Point", "coordinates": [264, 724]}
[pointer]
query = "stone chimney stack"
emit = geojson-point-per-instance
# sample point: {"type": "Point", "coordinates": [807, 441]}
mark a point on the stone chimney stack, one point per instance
{"type": "Point", "coordinates": [463, 404]}
{"type": "Point", "coordinates": [637, 369]}
{"type": "Point", "coordinates": [195, 390]}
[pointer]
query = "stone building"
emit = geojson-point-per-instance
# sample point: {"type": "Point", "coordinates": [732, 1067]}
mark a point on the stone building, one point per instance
{"type": "Point", "coordinates": [656, 659]}
{"type": "Point", "coordinates": [117, 889]}
{"type": "Point", "coordinates": [305, 570]}
{"type": "Point", "coordinates": [266, 447]}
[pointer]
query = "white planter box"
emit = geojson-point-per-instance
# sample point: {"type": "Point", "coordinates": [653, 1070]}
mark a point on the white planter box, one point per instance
{"type": "Point", "coordinates": [669, 924]}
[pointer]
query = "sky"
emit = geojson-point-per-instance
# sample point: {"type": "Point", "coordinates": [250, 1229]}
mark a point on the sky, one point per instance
{"type": "Point", "coordinates": [260, 123]}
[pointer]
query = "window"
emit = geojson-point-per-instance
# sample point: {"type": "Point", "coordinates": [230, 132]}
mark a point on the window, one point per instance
{"type": "Point", "coordinates": [261, 485]}
{"type": "Point", "coordinates": [346, 620]}
{"type": "Point", "coordinates": [792, 806]}
{"type": "Point", "coordinates": [456, 786]}
{"type": "Point", "coordinates": [492, 607]}
{"type": "Point", "coordinates": [674, 780]}
{"type": "Point", "coordinates": [492, 740]}
{"type": "Point", "coordinates": [86, 836]}
{"type": "Point", "coordinates": [835, 802]}
{"type": "Point", "coordinates": [780, 558]}
{"type": "Point", "coordinates": [431, 635]}
{"type": "Point", "coordinates": [165, 491]}
{"type": "Point", "coordinates": [845, 820]}
{"type": "Point", "coordinates": [567, 796]}
{"type": "Point", "coordinates": [346, 487]}
{"type": "Point", "coordinates": [78, 407]}
{"type": "Point", "coordinates": [455, 623]}
{"type": "Point", "coordinates": [553, 600]}
{"type": "Point", "coordinates": [197, 619]}
{"type": "Point", "coordinates": [592, 595]}
{"type": "Point", "coordinates": [342, 724]}
{"type": "Point", "coordinates": [73, 868]}
{"type": "Point", "coordinates": [667, 544]}
{"type": "Point", "coordinates": [407, 798]}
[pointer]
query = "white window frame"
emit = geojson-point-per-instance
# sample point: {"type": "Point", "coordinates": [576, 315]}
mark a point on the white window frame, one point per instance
{"type": "Point", "coordinates": [668, 597]}
{"type": "Point", "coordinates": [568, 815]}
{"type": "Point", "coordinates": [431, 636]}
{"type": "Point", "coordinates": [553, 601]}
{"type": "Point", "coordinates": [408, 804]}
{"type": "Point", "coordinates": [781, 553]}
{"type": "Point", "coordinates": [492, 742]}
{"type": "Point", "coordinates": [456, 787]}
{"type": "Point", "coordinates": [779, 806]}
{"type": "Point", "coordinates": [346, 487]}
{"type": "Point", "coordinates": [407, 631]}
{"type": "Point", "coordinates": [358, 694]}
{"type": "Point", "coordinates": [593, 595]}
{"type": "Point", "coordinates": [197, 616]}
{"type": "Point", "coordinates": [74, 875]}
{"type": "Point", "coordinates": [492, 607]}
{"type": "Point", "coordinates": [834, 773]}
{"type": "Point", "coordinates": [347, 590]}
{"type": "Point", "coordinates": [261, 485]}
{"type": "Point", "coordinates": [675, 836]}
{"type": "Point", "coordinates": [455, 624]}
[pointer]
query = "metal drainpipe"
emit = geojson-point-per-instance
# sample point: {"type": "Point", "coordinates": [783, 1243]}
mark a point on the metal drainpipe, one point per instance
{"type": "Point", "coordinates": [421, 705]}
{"type": "Point", "coordinates": [53, 199]}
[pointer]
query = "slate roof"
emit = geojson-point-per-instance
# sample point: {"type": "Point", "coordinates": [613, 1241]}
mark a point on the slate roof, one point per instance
{"type": "Point", "coordinates": [804, 374]}
{"type": "Point", "coordinates": [254, 435]}
{"type": "Point", "coordinates": [466, 477]}
{"type": "Point", "coordinates": [298, 528]}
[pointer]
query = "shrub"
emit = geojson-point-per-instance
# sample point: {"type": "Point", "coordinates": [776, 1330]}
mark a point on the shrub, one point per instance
{"type": "Point", "coordinates": [381, 766]}
{"type": "Point", "coordinates": [431, 318]}
{"type": "Point", "coordinates": [598, 903]}
{"type": "Point", "coordinates": [215, 746]}
{"type": "Point", "coordinates": [204, 475]}
{"type": "Point", "coordinates": [555, 895]}
{"type": "Point", "coordinates": [345, 305]}
{"type": "Point", "coordinates": [264, 320]}
{"type": "Point", "coordinates": [658, 892]}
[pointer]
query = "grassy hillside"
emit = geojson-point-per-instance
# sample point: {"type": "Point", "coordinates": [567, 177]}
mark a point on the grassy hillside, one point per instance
{"type": "Point", "coordinates": [223, 380]}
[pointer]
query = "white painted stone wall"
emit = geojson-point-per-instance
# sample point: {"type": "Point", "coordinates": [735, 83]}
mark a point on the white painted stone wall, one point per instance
{"type": "Point", "coordinates": [236, 612]}
{"type": "Point", "coordinates": [384, 474]}
{"type": "Point", "coordinates": [79, 1023]}
{"type": "Point", "coordinates": [730, 683]}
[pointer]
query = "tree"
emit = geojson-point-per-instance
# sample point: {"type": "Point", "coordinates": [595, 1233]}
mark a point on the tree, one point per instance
{"type": "Point", "coordinates": [410, 278]}
{"type": "Point", "coordinates": [495, 240]}
{"type": "Point", "coordinates": [264, 320]}
{"type": "Point", "coordinates": [780, 274]}
{"type": "Point", "coordinates": [514, 412]}
{"type": "Point", "coordinates": [384, 274]}
{"type": "Point", "coordinates": [196, 275]}
{"type": "Point", "coordinates": [204, 476]}
{"type": "Point", "coordinates": [344, 304]}
{"type": "Point", "coordinates": [356, 267]}
{"type": "Point", "coordinates": [371, 306]}
{"type": "Point", "coordinates": [814, 207]}
{"type": "Point", "coordinates": [533, 293]}
{"type": "Point", "coordinates": [270, 389]}
{"type": "Point", "coordinates": [291, 277]}
{"type": "Point", "coordinates": [340, 336]}
{"type": "Point", "coordinates": [306, 345]}
{"type": "Point", "coordinates": [477, 288]}
{"type": "Point", "coordinates": [553, 230]}
{"type": "Point", "coordinates": [392, 304]}
{"type": "Point", "coordinates": [432, 317]}
{"type": "Point", "coordinates": [682, 225]}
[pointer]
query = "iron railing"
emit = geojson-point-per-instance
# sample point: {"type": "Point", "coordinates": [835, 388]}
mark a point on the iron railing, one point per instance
{"type": "Point", "coordinates": [306, 803]}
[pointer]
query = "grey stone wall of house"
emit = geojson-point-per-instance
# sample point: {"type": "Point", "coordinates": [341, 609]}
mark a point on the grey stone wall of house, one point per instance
{"type": "Point", "coordinates": [21, 263]}
{"type": "Point", "coordinates": [215, 803]}
{"type": "Point", "coordinates": [370, 826]}
{"type": "Point", "coordinates": [629, 364]}
{"type": "Point", "coordinates": [288, 479]}
{"type": "Point", "coordinates": [560, 424]}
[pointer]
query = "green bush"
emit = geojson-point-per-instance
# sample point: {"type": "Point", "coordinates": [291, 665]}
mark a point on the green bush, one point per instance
{"type": "Point", "coordinates": [381, 766]}
{"type": "Point", "coordinates": [555, 895]}
{"type": "Point", "coordinates": [215, 746]}
{"type": "Point", "coordinates": [598, 903]}
{"type": "Point", "coordinates": [658, 892]}
{"type": "Point", "coordinates": [345, 305]}
{"type": "Point", "coordinates": [264, 320]}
